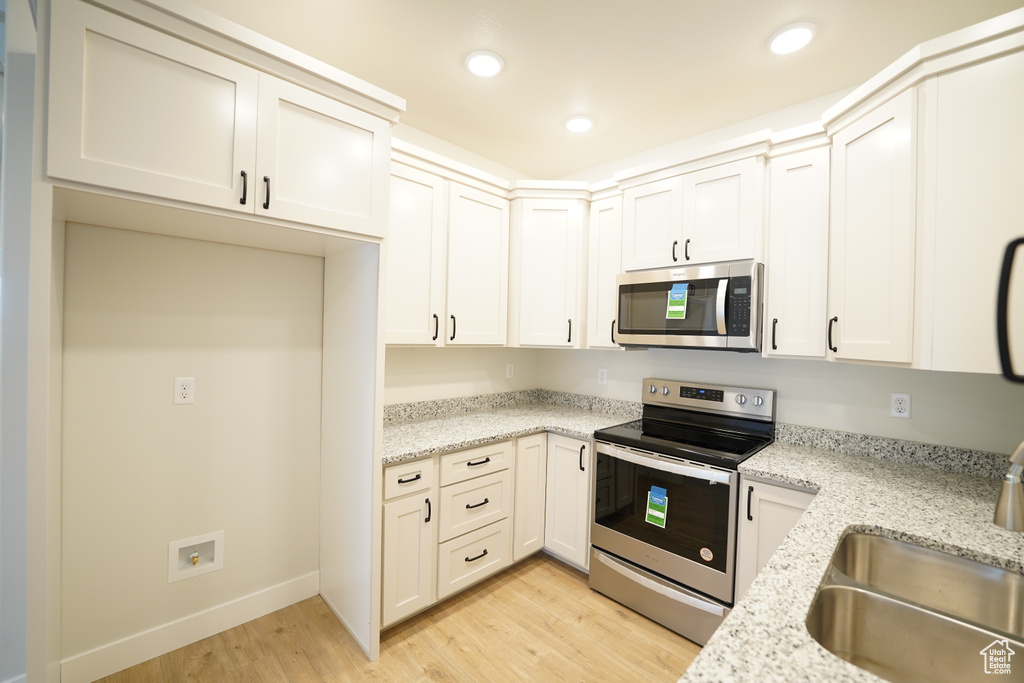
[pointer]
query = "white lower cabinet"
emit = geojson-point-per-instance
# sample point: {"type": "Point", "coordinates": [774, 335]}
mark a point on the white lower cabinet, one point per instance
{"type": "Point", "coordinates": [454, 519]}
{"type": "Point", "coordinates": [531, 476]}
{"type": "Point", "coordinates": [410, 542]}
{"type": "Point", "coordinates": [567, 509]}
{"type": "Point", "coordinates": [767, 514]}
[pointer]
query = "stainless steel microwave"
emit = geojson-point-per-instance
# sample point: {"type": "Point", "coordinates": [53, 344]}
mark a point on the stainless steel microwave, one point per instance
{"type": "Point", "coordinates": [714, 306]}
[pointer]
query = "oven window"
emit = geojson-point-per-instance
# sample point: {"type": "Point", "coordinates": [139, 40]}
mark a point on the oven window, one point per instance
{"type": "Point", "coordinates": [696, 518]}
{"type": "Point", "coordinates": [646, 308]}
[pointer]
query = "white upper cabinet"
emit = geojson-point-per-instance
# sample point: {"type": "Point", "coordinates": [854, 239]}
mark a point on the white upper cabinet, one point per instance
{"type": "Point", "coordinates": [872, 235]}
{"type": "Point", "coordinates": [978, 146]}
{"type": "Point", "coordinates": [138, 110]}
{"type": "Point", "coordinates": [548, 268]}
{"type": "Point", "coordinates": [478, 225]}
{"type": "Point", "coordinates": [134, 109]}
{"type": "Point", "coordinates": [722, 212]}
{"type": "Point", "coordinates": [319, 161]}
{"type": "Point", "coordinates": [652, 224]}
{"type": "Point", "coordinates": [415, 274]}
{"type": "Point", "coordinates": [797, 258]}
{"type": "Point", "coordinates": [605, 264]}
{"type": "Point", "coordinates": [709, 215]}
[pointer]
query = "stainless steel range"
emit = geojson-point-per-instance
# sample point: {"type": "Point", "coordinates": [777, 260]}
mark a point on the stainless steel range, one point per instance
{"type": "Point", "coordinates": [663, 539]}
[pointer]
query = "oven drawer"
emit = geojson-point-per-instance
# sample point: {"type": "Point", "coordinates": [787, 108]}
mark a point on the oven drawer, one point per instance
{"type": "Point", "coordinates": [470, 558]}
{"type": "Point", "coordinates": [472, 504]}
{"type": "Point", "coordinates": [474, 462]}
{"type": "Point", "coordinates": [408, 477]}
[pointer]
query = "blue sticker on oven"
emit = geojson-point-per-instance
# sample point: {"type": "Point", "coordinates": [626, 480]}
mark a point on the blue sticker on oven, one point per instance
{"type": "Point", "coordinates": [657, 506]}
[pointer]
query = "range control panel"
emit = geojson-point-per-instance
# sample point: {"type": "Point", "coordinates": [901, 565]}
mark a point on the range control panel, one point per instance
{"type": "Point", "coordinates": [758, 404]}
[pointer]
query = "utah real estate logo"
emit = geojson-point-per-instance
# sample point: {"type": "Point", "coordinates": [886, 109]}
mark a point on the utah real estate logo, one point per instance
{"type": "Point", "coordinates": [997, 657]}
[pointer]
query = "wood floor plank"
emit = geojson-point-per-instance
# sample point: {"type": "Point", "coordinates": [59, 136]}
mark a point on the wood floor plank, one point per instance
{"type": "Point", "coordinates": [537, 621]}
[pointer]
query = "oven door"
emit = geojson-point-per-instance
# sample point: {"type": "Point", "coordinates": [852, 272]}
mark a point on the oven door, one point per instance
{"type": "Point", "coordinates": [690, 538]}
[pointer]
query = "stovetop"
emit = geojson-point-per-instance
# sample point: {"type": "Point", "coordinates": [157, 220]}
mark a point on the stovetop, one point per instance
{"type": "Point", "coordinates": [711, 424]}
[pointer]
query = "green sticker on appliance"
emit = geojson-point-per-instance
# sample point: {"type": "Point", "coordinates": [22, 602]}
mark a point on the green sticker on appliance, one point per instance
{"type": "Point", "coordinates": [657, 506]}
{"type": "Point", "coordinates": [677, 301]}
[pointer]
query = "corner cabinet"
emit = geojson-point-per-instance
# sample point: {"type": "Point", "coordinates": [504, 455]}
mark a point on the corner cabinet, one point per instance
{"type": "Point", "coordinates": [605, 264]}
{"type": "Point", "coordinates": [531, 478]}
{"type": "Point", "coordinates": [708, 215]}
{"type": "Point", "coordinates": [567, 516]}
{"type": "Point", "coordinates": [797, 260]}
{"type": "Point", "coordinates": [768, 512]}
{"type": "Point", "coordinates": [872, 246]}
{"type": "Point", "coordinates": [138, 110]}
{"type": "Point", "coordinates": [548, 282]}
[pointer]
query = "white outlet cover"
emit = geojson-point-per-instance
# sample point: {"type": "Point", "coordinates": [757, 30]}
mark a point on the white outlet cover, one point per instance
{"type": "Point", "coordinates": [184, 390]}
{"type": "Point", "coordinates": [602, 376]}
{"type": "Point", "coordinates": [510, 370]}
{"type": "Point", "coordinates": [899, 406]}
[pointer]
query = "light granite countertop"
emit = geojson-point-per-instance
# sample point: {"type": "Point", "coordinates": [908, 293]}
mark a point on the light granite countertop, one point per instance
{"type": "Point", "coordinates": [765, 638]}
{"type": "Point", "coordinates": [423, 437]}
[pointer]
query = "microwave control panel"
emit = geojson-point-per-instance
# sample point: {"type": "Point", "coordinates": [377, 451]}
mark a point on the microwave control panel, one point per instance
{"type": "Point", "coordinates": [738, 313]}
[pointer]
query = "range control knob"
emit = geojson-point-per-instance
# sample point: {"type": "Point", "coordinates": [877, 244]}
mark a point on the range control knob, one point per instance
{"type": "Point", "coordinates": [653, 389]}
{"type": "Point", "coordinates": [664, 391]}
{"type": "Point", "coordinates": [741, 399]}
{"type": "Point", "coordinates": [758, 401]}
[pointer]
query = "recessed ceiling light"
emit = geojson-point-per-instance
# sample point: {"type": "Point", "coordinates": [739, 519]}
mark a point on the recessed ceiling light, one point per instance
{"type": "Point", "coordinates": [791, 38]}
{"type": "Point", "coordinates": [579, 124]}
{"type": "Point", "coordinates": [484, 63]}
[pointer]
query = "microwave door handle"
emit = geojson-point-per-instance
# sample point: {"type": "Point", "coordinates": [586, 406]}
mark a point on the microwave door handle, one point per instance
{"type": "Point", "coordinates": [723, 289]}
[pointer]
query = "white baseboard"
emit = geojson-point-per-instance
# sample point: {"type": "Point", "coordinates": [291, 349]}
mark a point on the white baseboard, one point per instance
{"type": "Point", "coordinates": [121, 654]}
{"type": "Point", "coordinates": [18, 679]}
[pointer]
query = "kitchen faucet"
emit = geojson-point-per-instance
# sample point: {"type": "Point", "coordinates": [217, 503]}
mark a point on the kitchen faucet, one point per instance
{"type": "Point", "coordinates": [1010, 506]}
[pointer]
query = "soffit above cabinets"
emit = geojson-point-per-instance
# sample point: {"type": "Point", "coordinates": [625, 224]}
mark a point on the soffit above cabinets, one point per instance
{"type": "Point", "coordinates": [648, 73]}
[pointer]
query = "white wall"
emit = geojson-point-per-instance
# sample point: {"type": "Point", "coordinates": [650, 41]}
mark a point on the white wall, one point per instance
{"type": "Point", "coordinates": [417, 137]}
{"type": "Point", "coordinates": [424, 374]}
{"type": "Point", "coordinates": [139, 472]}
{"type": "Point", "coordinates": [954, 409]}
{"type": "Point", "coordinates": [782, 119]}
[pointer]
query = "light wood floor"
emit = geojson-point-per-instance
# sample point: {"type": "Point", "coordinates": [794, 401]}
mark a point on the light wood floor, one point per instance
{"type": "Point", "coordinates": [538, 621]}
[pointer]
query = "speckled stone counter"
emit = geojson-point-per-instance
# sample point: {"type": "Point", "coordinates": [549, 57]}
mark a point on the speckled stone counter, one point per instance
{"type": "Point", "coordinates": [423, 437]}
{"type": "Point", "coordinates": [764, 638]}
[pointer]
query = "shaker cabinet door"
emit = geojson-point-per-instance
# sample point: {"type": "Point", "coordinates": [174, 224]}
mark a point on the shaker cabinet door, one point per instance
{"type": "Point", "coordinates": [872, 235]}
{"type": "Point", "coordinates": [134, 109]}
{"type": "Point", "coordinates": [478, 225]}
{"type": "Point", "coordinates": [321, 162]}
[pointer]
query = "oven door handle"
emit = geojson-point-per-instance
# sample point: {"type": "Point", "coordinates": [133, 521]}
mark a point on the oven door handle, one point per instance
{"type": "Point", "coordinates": [723, 289]}
{"type": "Point", "coordinates": [656, 463]}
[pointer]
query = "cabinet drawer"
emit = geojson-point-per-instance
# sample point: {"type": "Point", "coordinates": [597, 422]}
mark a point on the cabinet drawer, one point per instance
{"type": "Point", "coordinates": [477, 555]}
{"type": "Point", "coordinates": [408, 477]}
{"type": "Point", "coordinates": [472, 504]}
{"type": "Point", "coordinates": [463, 465]}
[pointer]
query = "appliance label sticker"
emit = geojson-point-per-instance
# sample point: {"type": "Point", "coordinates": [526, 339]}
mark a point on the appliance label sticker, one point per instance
{"type": "Point", "coordinates": [706, 554]}
{"type": "Point", "coordinates": [657, 506]}
{"type": "Point", "coordinates": [677, 301]}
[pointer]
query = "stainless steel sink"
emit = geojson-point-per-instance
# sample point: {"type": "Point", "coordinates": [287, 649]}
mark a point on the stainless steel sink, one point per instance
{"type": "Point", "coordinates": [907, 613]}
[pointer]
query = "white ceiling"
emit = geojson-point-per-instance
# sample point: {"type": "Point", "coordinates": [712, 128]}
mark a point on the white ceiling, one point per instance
{"type": "Point", "coordinates": [649, 72]}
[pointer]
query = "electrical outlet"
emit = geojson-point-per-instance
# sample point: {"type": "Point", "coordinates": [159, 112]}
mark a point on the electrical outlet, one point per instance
{"type": "Point", "coordinates": [899, 405]}
{"type": "Point", "coordinates": [602, 376]}
{"type": "Point", "coordinates": [184, 390]}
{"type": "Point", "coordinates": [510, 370]}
